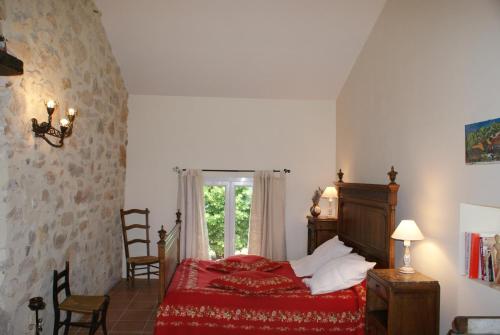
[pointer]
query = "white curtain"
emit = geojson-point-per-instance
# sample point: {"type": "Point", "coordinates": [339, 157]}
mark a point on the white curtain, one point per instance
{"type": "Point", "coordinates": [267, 216]}
{"type": "Point", "coordinates": [191, 202]}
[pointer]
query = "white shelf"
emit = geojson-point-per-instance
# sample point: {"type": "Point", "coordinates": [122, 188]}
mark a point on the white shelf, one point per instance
{"type": "Point", "coordinates": [476, 219]}
{"type": "Point", "coordinates": [485, 283]}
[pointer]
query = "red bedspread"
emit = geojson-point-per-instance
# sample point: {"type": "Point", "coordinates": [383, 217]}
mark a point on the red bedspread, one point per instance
{"type": "Point", "coordinates": [192, 308]}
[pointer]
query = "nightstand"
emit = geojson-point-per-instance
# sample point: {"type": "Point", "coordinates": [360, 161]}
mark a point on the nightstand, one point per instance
{"type": "Point", "coordinates": [319, 230]}
{"type": "Point", "coordinates": [402, 304]}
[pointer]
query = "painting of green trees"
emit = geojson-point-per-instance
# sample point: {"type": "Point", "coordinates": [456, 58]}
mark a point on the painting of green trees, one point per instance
{"type": "Point", "coordinates": [215, 204]}
{"type": "Point", "coordinates": [482, 142]}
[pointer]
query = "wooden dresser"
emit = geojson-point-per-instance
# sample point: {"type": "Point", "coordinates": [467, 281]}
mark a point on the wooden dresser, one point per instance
{"type": "Point", "coordinates": [401, 304]}
{"type": "Point", "coordinates": [319, 230]}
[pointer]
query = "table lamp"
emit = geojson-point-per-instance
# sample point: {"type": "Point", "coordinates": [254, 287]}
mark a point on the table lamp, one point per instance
{"type": "Point", "coordinates": [330, 193]}
{"type": "Point", "coordinates": [407, 231]}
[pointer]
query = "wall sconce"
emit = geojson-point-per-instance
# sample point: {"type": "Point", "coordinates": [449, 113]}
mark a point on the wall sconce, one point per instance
{"type": "Point", "coordinates": [45, 128]}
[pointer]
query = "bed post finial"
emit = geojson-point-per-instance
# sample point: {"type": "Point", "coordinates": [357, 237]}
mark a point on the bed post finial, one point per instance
{"type": "Point", "coordinates": [341, 175]}
{"type": "Point", "coordinates": [163, 233]}
{"type": "Point", "coordinates": [392, 175]}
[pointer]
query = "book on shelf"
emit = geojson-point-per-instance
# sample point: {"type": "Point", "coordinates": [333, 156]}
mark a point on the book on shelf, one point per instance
{"type": "Point", "coordinates": [474, 256]}
{"type": "Point", "coordinates": [491, 272]}
{"type": "Point", "coordinates": [482, 256]}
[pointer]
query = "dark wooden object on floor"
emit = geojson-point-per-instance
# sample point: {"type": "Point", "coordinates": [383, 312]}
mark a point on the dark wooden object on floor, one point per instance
{"type": "Point", "coordinates": [402, 304]}
{"type": "Point", "coordinates": [138, 262]}
{"type": "Point", "coordinates": [319, 230]}
{"type": "Point", "coordinates": [460, 325]}
{"type": "Point", "coordinates": [96, 306]}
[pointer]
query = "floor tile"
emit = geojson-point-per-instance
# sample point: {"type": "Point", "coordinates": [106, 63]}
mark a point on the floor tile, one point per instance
{"type": "Point", "coordinates": [143, 304]}
{"type": "Point", "coordinates": [136, 315]}
{"type": "Point", "coordinates": [132, 310]}
{"type": "Point", "coordinates": [129, 326]}
{"type": "Point", "coordinates": [149, 328]}
{"type": "Point", "coordinates": [115, 314]}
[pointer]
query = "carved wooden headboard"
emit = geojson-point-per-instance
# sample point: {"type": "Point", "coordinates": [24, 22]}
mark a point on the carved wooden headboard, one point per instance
{"type": "Point", "coordinates": [366, 218]}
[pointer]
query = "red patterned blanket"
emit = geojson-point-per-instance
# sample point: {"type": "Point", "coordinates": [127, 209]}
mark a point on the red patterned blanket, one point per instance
{"type": "Point", "coordinates": [191, 307]}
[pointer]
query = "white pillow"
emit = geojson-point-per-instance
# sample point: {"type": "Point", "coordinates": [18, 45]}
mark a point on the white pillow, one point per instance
{"type": "Point", "coordinates": [339, 274]}
{"type": "Point", "coordinates": [306, 266]}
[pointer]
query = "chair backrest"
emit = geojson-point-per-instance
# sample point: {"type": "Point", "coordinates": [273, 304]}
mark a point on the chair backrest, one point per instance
{"type": "Point", "coordinates": [56, 288]}
{"type": "Point", "coordinates": [126, 228]}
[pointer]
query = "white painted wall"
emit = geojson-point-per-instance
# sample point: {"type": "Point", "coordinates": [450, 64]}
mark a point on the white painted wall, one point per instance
{"type": "Point", "coordinates": [428, 68]}
{"type": "Point", "coordinates": [279, 49]}
{"type": "Point", "coordinates": [224, 133]}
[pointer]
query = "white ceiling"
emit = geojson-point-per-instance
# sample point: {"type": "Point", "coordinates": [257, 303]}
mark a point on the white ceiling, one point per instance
{"type": "Point", "coordinates": [278, 49]}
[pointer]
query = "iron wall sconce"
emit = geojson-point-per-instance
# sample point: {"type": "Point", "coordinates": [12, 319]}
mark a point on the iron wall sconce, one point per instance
{"type": "Point", "coordinates": [45, 128]}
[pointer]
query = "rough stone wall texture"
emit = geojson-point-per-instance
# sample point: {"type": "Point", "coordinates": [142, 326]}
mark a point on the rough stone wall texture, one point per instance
{"type": "Point", "coordinates": [59, 204]}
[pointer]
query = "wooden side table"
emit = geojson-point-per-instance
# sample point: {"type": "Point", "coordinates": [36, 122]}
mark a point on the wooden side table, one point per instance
{"type": "Point", "coordinates": [399, 303]}
{"type": "Point", "coordinates": [319, 230]}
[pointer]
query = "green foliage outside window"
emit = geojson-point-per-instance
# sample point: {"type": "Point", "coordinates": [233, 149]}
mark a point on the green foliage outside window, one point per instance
{"type": "Point", "coordinates": [243, 198]}
{"type": "Point", "coordinates": [214, 215]}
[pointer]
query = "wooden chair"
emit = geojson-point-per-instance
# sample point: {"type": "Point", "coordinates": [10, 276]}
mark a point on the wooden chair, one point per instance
{"type": "Point", "coordinates": [138, 262]}
{"type": "Point", "coordinates": [96, 306]}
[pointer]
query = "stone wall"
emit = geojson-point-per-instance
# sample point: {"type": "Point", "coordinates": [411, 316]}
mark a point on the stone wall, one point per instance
{"type": "Point", "coordinates": [59, 204]}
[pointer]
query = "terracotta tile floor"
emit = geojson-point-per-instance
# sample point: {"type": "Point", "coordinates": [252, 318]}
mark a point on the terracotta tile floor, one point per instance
{"type": "Point", "coordinates": [131, 310]}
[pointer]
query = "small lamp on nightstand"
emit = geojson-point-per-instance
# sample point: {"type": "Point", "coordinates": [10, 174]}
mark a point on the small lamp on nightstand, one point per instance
{"type": "Point", "coordinates": [407, 231]}
{"type": "Point", "coordinates": [330, 193]}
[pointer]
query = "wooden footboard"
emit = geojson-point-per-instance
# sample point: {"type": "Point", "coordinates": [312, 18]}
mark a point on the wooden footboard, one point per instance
{"type": "Point", "coordinates": [168, 255]}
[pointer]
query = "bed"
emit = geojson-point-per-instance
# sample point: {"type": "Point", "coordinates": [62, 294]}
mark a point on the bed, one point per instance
{"type": "Point", "coordinates": [189, 306]}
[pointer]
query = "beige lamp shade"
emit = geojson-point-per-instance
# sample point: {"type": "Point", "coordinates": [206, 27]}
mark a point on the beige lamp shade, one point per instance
{"type": "Point", "coordinates": [407, 231]}
{"type": "Point", "coordinates": [329, 193]}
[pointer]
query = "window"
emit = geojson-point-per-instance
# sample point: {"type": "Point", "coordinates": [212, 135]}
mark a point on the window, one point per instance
{"type": "Point", "coordinates": [227, 213]}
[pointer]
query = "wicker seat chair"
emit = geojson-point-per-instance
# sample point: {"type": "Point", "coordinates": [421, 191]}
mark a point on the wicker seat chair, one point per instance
{"type": "Point", "coordinates": [96, 306]}
{"type": "Point", "coordinates": [143, 262]}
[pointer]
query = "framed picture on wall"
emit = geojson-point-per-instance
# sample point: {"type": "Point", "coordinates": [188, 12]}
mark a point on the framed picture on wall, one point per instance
{"type": "Point", "coordinates": [482, 142]}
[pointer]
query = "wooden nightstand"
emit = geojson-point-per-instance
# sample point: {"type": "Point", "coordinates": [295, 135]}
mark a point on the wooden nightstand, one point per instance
{"type": "Point", "coordinates": [319, 230]}
{"type": "Point", "coordinates": [402, 304]}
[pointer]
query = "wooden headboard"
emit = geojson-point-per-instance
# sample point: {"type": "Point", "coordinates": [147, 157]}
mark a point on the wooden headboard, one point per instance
{"type": "Point", "coordinates": [366, 218]}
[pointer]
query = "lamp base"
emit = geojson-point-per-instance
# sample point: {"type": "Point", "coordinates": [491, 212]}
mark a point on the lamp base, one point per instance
{"type": "Point", "coordinates": [406, 269]}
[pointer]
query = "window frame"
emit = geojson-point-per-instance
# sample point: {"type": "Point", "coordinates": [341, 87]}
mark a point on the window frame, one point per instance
{"type": "Point", "coordinates": [229, 207]}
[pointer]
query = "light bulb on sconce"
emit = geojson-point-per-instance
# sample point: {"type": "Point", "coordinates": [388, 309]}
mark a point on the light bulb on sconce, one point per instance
{"type": "Point", "coordinates": [51, 104]}
{"type": "Point", "coordinates": [64, 122]}
{"type": "Point", "coordinates": [45, 128]}
{"type": "Point", "coordinates": [71, 114]}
